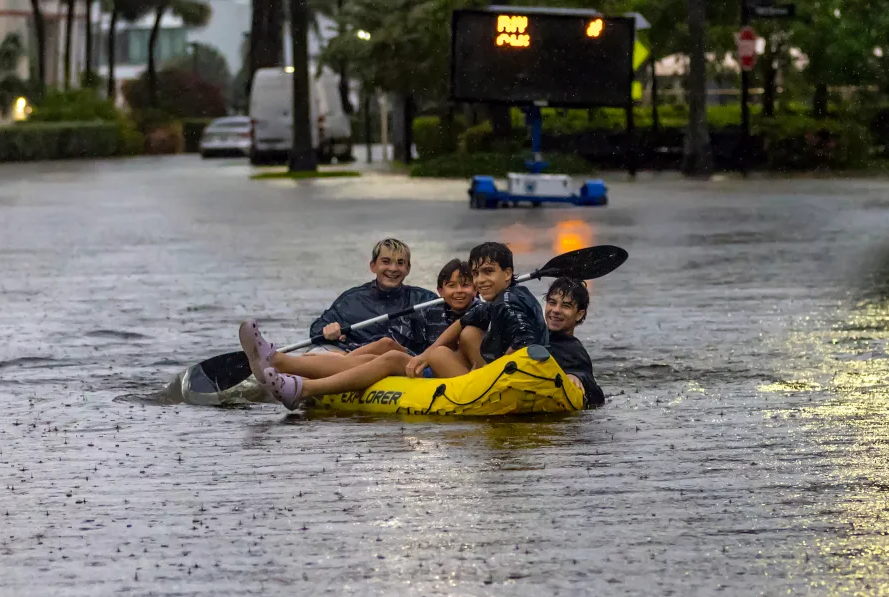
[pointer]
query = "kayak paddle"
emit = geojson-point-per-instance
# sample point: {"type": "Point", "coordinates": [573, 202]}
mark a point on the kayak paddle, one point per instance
{"type": "Point", "coordinates": [225, 371]}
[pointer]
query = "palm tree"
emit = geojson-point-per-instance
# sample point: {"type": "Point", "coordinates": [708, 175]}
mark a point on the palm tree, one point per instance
{"type": "Point", "coordinates": [266, 35]}
{"type": "Point", "coordinates": [69, 30]}
{"type": "Point", "coordinates": [128, 10]}
{"type": "Point", "coordinates": [698, 158]}
{"type": "Point", "coordinates": [40, 30]}
{"type": "Point", "coordinates": [193, 13]}
{"type": "Point", "coordinates": [333, 10]}
{"type": "Point", "coordinates": [88, 59]}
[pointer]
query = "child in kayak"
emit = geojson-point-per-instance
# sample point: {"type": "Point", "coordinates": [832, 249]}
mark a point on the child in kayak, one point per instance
{"type": "Point", "coordinates": [566, 304]}
{"type": "Point", "coordinates": [510, 319]}
{"type": "Point", "coordinates": [391, 263]}
{"type": "Point", "coordinates": [455, 287]}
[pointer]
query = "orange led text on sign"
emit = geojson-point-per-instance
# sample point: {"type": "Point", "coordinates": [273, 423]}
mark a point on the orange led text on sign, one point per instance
{"type": "Point", "coordinates": [594, 29]}
{"type": "Point", "coordinates": [511, 31]}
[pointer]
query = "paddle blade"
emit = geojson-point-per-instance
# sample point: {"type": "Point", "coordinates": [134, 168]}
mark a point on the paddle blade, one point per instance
{"type": "Point", "coordinates": [585, 264]}
{"type": "Point", "coordinates": [219, 373]}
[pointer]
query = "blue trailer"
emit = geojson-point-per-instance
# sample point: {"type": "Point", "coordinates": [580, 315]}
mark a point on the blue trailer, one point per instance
{"type": "Point", "coordinates": [534, 187]}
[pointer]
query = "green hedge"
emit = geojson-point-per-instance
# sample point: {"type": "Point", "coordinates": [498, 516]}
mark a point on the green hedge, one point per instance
{"type": "Point", "coordinates": [67, 140]}
{"type": "Point", "coordinates": [793, 141]}
{"type": "Point", "coordinates": [434, 137]}
{"type": "Point", "coordinates": [79, 105]}
{"type": "Point", "coordinates": [461, 165]}
{"type": "Point", "coordinates": [803, 143]}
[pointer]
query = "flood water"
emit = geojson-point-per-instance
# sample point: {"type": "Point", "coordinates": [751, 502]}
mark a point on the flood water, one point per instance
{"type": "Point", "coordinates": [743, 347]}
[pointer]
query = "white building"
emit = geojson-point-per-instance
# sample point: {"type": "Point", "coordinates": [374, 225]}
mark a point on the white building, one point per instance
{"type": "Point", "coordinates": [227, 31]}
{"type": "Point", "coordinates": [16, 16]}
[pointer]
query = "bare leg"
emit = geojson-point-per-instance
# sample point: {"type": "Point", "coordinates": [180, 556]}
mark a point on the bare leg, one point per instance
{"type": "Point", "coordinates": [320, 365]}
{"type": "Point", "coordinates": [444, 362]}
{"type": "Point", "coordinates": [380, 347]}
{"type": "Point", "coordinates": [471, 346]}
{"type": "Point", "coordinates": [360, 377]}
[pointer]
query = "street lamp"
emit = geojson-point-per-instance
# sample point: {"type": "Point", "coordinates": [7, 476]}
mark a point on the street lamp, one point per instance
{"type": "Point", "coordinates": [362, 35]}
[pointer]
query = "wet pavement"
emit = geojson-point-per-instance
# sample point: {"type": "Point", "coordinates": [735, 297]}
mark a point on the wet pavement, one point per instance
{"type": "Point", "coordinates": [743, 448]}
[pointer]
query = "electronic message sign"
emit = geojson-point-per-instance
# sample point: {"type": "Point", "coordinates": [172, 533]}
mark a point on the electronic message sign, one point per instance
{"type": "Point", "coordinates": [555, 57]}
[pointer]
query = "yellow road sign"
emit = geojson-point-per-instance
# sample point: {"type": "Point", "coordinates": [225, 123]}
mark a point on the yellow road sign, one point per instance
{"type": "Point", "coordinates": [640, 53]}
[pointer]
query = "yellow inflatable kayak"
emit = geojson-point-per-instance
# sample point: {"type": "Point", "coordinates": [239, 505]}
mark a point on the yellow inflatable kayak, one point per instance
{"type": "Point", "coordinates": [527, 381]}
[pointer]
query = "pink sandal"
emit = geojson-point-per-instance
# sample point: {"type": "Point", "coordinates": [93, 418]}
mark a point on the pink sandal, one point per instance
{"type": "Point", "coordinates": [259, 352]}
{"type": "Point", "coordinates": [286, 388]}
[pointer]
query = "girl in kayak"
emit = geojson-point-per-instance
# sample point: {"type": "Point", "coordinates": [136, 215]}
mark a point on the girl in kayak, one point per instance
{"type": "Point", "coordinates": [455, 287]}
{"type": "Point", "coordinates": [565, 307]}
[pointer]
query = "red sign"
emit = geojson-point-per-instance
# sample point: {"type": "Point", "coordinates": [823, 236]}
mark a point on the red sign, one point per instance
{"type": "Point", "coordinates": [747, 48]}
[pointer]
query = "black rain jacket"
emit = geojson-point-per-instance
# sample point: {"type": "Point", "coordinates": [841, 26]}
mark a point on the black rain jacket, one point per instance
{"type": "Point", "coordinates": [368, 301]}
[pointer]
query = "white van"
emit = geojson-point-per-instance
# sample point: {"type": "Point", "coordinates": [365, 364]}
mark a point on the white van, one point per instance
{"type": "Point", "coordinates": [271, 101]}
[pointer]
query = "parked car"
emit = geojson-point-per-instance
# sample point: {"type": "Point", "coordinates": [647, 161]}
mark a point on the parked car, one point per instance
{"type": "Point", "coordinates": [271, 100]}
{"type": "Point", "coordinates": [226, 137]}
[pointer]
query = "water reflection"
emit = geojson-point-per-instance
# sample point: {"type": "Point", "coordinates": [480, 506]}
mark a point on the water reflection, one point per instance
{"type": "Point", "coordinates": [563, 236]}
{"type": "Point", "coordinates": [571, 235]}
{"type": "Point", "coordinates": [848, 360]}
{"type": "Point", "coordinates": [519, 238]}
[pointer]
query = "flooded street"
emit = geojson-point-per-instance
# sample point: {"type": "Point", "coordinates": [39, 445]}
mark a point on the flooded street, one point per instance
{"type": "Point", "coordinates": [742, 450]}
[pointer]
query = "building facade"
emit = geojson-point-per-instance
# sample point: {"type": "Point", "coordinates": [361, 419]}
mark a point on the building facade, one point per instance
{"type": "Point", "coordinates": [16, 16]}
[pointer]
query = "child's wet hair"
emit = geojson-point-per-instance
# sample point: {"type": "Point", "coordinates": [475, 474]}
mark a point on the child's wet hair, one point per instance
{"type": "Point", "coordinates": [454, 265]}
{"type": "Point", "coordinates": [494, 252]}
{"type": "Point", "coordinates": [572, 289]}
{"type": "Point", "coordinates": [394, 245]}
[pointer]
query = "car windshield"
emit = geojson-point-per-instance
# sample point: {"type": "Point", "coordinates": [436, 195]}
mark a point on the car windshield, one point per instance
{"type": "Point", "coordinates": [230, 123]}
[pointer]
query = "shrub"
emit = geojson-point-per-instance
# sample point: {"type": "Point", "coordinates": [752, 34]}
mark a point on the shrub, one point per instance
{"type": "Point", "coordinates": [180, 94]}
{"type": "Point", "coordinates": [476, 139]}
{"type": "Point", "coordinates": [165, 139]}
{"type": "Point", "coordinates": [130, 140]}
{"type": "Point", "coordinates": [79, 105]}
{"type": "Point", "coordinates": [55, 141]}
{"type": "Point", "coordinates": [192, 129]}
{"type": "Point", "coordinates": [68, 140]}
{"type": "Point", "coordinates": [461, 165]}
{"type": "Point", "coordinates": [434, 137]}
{"type": "Point", "coordinates": [802, 143]}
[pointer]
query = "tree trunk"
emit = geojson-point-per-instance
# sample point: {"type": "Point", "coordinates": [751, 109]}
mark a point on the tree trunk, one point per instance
{"type": "Point", "coordinates": [402, 128]}
{"type": "Point", "coordinates": [40, 30]}
{"type": "Point", "coordinates": [266, 35]}
{"type": "Point", "coordinates": [152, 66]}
{"type": "Point", "coordinates": [655, 117]}
{"type": "Point", "coordinates": [770, 75]}
{"type": "Point", "coordinates": [88, 59]}
{"type": "Point", "coordinates": [501, 121]}
{"type": "Point", "coordinates": [344, 67]}
{"type": "Point", "coordinates": [698, 158]}
{"type": "Point", "coordinates": [344, 91]}
{"type": "Point", "coordinates": [769, 85]}
{"type": "Point", "coordinates": [409, 110]}
{"type": "Point", "coordinates": [69, 30]}
{"type": "Point", "coordinates": [302, 153]}
{"type": "Point", "coordinates": [112, 40]}
{"type": "Point", "coordinates": [819, 102]}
